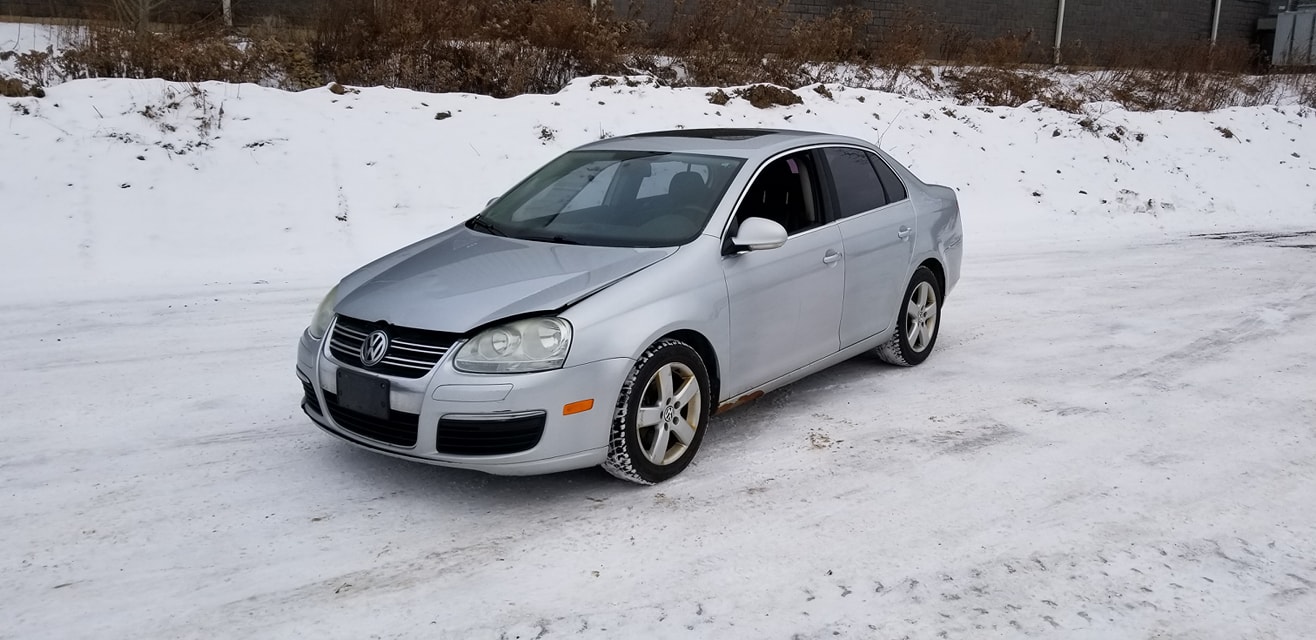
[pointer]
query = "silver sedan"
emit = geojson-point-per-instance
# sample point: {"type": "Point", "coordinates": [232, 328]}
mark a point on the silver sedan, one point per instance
{"type": "Point", "coordinates": [604, 308]}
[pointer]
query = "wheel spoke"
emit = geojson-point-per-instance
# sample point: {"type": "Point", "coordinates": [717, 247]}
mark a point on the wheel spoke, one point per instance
{"type": "Point", "coordinates": [912, 309]}
{"type": "Point", "coordinates": [684, 431]}
{"type": "Point", "coordinates": [658, 451]}
{"type": "Point", "coordinates": [649, 416]}
{"type": "Point", "coordinates": [665, 388]}
{"type": "Point", "coordinates": [915, 331]}
{"type": "Point", "coordinates": [931, 309]}
{"type": "Point", "coordinates": [688, 391]}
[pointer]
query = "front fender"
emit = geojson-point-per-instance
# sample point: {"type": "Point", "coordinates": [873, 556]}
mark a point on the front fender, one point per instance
{"type": "Point", "coordinates": [684, 292]}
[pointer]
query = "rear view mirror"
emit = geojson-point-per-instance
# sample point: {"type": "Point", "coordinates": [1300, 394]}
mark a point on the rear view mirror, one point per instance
{"type": "Point", "coordinates": [757, 234]}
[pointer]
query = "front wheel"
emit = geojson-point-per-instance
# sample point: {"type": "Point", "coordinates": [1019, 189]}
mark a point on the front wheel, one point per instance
{"type": "Point", "coordinates": [661, 414]}
{"type": "Point", "coordinates": [918, 324]}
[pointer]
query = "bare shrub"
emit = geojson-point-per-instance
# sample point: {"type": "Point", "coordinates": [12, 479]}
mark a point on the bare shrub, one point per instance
{"type": "Point", "coordinates": [1157, 89]}
{"type": "Point", "coordinates": [903, 42]}
{"type": "Point", "coordinates": [995, 86]}
{"type": "Point", "coordinates": [1009, 50]}
{"type": "Point", "coordinates": [955, 44]}
{"type": "Point", "coordinates": [1306, 90]}
{"type": "Point", "coordinates": [719, 42]}
{"type": "Point", "coordinates": [99, 50]}
{"type": "Point", "coordinates": [837, 37]}
{"type": "Point", "coordinates": [500, 48]}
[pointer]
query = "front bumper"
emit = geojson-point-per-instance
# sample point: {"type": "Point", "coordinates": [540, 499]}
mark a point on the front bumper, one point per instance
{"type": "Point", "coordinates": [455, 411]}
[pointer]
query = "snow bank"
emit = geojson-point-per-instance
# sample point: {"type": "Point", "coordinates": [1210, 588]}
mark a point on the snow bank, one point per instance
{"type": "Point", "coordinates": [141, 183]}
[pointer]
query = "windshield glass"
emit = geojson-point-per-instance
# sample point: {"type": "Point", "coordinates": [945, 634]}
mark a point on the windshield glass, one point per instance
{"type": "Point", "coordinates": [613, 198]}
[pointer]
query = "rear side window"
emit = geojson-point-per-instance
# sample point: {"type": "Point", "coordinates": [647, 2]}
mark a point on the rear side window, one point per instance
{"type": "Point", "coordinates": [858, 189]}
{"type": "Point", "coordinates": [895, 191]}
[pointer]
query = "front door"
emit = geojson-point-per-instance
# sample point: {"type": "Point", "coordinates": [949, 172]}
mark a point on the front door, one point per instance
{"type": "Point", "coordinates": [785, 303]}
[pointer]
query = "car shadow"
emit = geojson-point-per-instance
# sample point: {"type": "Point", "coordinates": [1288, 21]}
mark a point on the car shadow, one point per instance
{"type": "Point", "coordinates": [387, 475]}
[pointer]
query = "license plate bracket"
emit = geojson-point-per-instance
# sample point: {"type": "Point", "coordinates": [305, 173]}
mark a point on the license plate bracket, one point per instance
{"type": "Point", "coordinates": [363, 394]}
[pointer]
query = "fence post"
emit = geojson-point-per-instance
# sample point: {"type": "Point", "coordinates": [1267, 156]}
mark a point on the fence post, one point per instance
{"type": "Point", "coordinates": [1060, 28]}
{"type": "Point", "coordinates": [1215, 22]}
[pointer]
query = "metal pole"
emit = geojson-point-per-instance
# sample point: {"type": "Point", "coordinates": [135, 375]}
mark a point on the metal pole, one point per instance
{"type": "Point", "coordinates": [1215, 23]}
{"type": "Point", "coordinates": [228, 13]}
{"type": "Point", "coordinates": [1060, 28]}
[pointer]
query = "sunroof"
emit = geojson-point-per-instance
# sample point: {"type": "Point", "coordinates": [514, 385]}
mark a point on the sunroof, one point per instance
{"type": "Point", "coordinates": [708, 134]}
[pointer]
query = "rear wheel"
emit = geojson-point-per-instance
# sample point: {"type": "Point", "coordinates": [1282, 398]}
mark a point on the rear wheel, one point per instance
{"type": "Point", "coordinates": [918, 324]}
{"type": "Point", "coordinates": [661, 414]}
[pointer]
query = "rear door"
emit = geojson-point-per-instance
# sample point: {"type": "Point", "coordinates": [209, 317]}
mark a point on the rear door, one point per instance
{"type": "Point", "coordinates": [876, 222]}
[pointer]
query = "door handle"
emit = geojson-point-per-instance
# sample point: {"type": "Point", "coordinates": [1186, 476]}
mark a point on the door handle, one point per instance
{"type": "Point", "coordinates": [903, 232]}
{"type": "Point", "coordinates": [831, 256]}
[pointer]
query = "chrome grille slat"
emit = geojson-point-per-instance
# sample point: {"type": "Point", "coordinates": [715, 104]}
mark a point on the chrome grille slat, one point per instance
{"type": "Point", "coordinates": [411, 352]}
{"type": "Point", "coordinates": [407, 361]}
{"type": "Point", "coordinates": [407, 346]}
{"type": "Point", "coordinates": [352, 332]}
{"type": "Point", "coordinates": [335, 342]}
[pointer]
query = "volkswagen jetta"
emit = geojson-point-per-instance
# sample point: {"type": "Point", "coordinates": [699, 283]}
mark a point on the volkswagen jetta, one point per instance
{"type": "Point", "coordinates": [602, 310]}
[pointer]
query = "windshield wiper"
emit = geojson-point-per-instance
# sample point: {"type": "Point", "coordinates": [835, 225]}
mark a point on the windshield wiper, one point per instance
{"type": "Point", "coordinates": [553, 239]}
{"type": "Point", "coordinates": [480, 224]}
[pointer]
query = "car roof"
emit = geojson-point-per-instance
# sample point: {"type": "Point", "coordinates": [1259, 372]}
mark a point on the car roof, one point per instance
{"type": "Point", "coordinates": [736, 143]}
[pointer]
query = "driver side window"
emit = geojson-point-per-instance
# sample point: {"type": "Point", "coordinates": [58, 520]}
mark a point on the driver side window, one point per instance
{"type": "Point", "coordinates": [786, 192]}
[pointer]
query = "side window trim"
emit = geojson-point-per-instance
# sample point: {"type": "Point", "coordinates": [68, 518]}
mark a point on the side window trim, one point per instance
{"type": "Point", "coordinates": [826, 190]}
{"type": "Point", "coordinates": [814, 178]}
{"type": "Point", "coordinates": [835, 206]}
{"type": "Point", "coordinates": [874, 159]}
{"type": "Point", "coordinates": [832, 201]}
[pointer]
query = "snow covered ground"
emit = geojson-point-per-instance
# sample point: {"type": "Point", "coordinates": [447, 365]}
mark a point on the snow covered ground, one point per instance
{"type": "Point", "coordinates": [1115, 439]}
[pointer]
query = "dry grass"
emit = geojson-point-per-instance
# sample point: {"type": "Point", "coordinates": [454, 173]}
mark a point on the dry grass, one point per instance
{"type": "Point", "coordinates": [509, 47]}
{"type": "Point", "coordinates": [1194, 76]}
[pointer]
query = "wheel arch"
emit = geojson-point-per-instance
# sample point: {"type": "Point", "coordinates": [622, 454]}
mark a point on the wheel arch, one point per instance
{"type": "Point", "coordinates": [938, 272]}
{"type": "Point", "coordinates": [705, 349]}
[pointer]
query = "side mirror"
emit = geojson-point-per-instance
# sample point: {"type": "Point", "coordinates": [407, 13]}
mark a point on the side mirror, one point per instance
{"type": "Point", "coordinates": [759, 233]}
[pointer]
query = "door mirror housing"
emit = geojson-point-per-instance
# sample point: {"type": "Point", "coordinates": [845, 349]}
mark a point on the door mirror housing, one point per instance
{"type": "Point", "coordinates": [757, 234]}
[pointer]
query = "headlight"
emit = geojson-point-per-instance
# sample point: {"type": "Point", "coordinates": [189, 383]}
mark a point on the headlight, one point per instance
{"type": "Point", "coordinates": [533, 344]}
{"type": "Point", "coordinates": [324, 314]}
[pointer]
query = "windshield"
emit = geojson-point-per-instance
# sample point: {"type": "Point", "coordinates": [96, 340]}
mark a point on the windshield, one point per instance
{"type": "Point", "coordinates": [613, 198]}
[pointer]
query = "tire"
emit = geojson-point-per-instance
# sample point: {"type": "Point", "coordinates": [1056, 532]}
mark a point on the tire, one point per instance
{"type": "Point", "coordinates": [661, 415]}
{"type": "Point", "coordinates": [918, 324]}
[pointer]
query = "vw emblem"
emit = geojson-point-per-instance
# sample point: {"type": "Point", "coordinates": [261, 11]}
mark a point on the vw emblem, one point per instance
{"type": "Point", "coordinates": [374, 348]}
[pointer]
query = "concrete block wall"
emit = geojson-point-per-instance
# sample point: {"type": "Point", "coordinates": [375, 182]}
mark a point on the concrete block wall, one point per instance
{"type": "Point", "coordinates": [1093, 24]}
{"type": "Point", "coordinates": [183, 11]}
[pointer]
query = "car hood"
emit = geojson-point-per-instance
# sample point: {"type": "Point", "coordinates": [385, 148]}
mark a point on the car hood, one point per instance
{"type": "Point", "coordinates": [461, 279]}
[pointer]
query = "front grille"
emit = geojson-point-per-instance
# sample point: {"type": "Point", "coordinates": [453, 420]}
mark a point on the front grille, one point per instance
{"type": "Point", "coordinates": [400, 428]}
{"type": "Point", "coordinates": [412, 353]}
{"type": "Point", "coordinates": [489, 437]}
{"type": "Point", "coordinates": [310, 398]}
